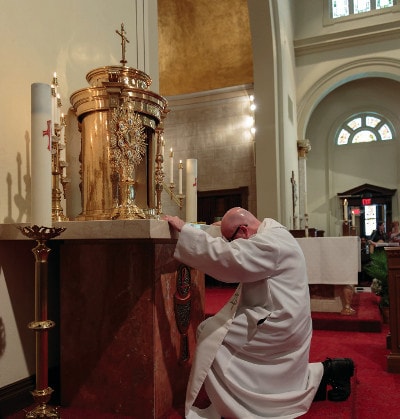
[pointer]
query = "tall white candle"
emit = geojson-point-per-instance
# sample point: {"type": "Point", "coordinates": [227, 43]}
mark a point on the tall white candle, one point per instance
{"type": "Point", "coordinates": [353, 219]}
{"type": "Point", "coordinates": [41, 129]}
{"type": "Point", "coordinates": [191, 190]}
{"type": "Point", "coordinates": [62, 138]}
{"type": "Point", "coordinates": [345, 210]}
{"type": "Point", "coordinates": [171, 169]}
{"type": "Point", "coordinates": [58, 109]}
{"type": "Point", "coordinates": [53, 104]}
{"type": "Point", "coordinates": [180, 173]}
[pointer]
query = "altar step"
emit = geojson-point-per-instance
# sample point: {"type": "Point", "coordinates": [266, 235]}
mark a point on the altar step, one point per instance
{"type": "Point", "coordinates": [367, 317]}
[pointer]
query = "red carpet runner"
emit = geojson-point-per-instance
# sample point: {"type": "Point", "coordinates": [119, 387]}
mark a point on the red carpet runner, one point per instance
{"type": "Point", "coordinates": [366, 319]}
{"type": "Point", "coordinates": [375, 392]}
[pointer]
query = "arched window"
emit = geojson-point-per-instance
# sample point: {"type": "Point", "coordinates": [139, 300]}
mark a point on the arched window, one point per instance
{"type": "Point", "coordinates": [364, 128]}
{"type": "Point", "coordinates": [342, 8]}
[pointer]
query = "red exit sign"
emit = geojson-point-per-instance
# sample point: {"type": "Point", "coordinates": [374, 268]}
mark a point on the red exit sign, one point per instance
{"type": "Point", "coordinates": [366, 201]}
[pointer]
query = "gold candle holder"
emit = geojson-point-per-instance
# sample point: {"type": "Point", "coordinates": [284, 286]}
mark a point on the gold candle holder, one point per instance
{"type": "Point", "coordinates": [41, 325]}
{"type": "Point", "coordinates": [177, 198]}
{"type": "Point", "coordinates": [57, 172]}
{"type": "Point", "coordinates": [159, 169]}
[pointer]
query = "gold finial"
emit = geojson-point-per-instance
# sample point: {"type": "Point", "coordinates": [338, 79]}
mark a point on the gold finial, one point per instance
{"type": "Point", "coordinates": [124, 40]}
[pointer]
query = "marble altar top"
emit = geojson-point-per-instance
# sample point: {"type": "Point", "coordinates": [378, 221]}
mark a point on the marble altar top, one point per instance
{"type": "Point", "coordinates": [99, 229]}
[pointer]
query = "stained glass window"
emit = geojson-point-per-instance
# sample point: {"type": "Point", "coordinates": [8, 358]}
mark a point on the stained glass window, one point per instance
{"type": "Point", "coordinates": [355, 123]}
{"type": "Point", "coordinates": [380, 4]}
{"type": "Point", "coordinates": [385, 132]}
{"type": "Point", "coordinates": [341, 8]}
{"type": "Point", "coordinates": [362, 6]}
{"type": "Point", "coordinates": [343, 137]}
{"type": "Point", "coordinates": [364, 128]}
{"type": "Point", "coordinates": [364, 137]}
{"type": "Point", "coordinates": [372, 121]}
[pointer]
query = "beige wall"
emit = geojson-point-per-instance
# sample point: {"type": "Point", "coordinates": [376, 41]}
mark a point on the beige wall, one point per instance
{"type": "Point", "coordinates": [214, 128]}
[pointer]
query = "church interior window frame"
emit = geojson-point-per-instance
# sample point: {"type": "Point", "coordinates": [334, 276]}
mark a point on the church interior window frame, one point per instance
{"type": "Point", "coordinates": [364, 127]}
{"type": "Point", "coordinates": [336, 11]}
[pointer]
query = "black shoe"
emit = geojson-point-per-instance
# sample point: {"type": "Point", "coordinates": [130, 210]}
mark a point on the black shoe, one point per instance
{"type": "Point", "coordinates": [337, 373]}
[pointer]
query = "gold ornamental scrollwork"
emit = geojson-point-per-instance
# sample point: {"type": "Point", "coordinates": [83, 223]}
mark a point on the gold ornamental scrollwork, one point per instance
{"type": "Point", "coordinates": [127, 149]}
{"type": "Point", "coordinates": [183, 305]}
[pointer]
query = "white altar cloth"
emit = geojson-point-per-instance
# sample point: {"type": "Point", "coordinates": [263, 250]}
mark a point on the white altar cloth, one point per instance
{"type": "Point", "coordinates": [332, 260]}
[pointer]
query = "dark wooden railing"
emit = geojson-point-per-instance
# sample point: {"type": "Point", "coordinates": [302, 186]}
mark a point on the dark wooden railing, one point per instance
{"type": "Point", "coordinates": [393, 359]}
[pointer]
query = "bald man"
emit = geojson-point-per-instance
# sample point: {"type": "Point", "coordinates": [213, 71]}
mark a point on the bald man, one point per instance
{"type": "Point", "coordinates": [253, 355]}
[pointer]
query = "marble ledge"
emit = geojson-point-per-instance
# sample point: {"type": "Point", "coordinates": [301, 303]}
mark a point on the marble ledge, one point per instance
{"type": "Point", "coordinates": [99, 229]}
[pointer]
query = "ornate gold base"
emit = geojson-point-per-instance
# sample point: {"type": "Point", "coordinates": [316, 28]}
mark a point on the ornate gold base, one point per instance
{"type": "Point", "coordinates": [128, 212]}
{"type": "Point", "coordinates": [59, 216]}
{"type": "Point", "coordinates": [347, 297]}
{"type": "Point", "coordinates": [348, 311]}
{"type": "Point", "coordinates": [42, 410]}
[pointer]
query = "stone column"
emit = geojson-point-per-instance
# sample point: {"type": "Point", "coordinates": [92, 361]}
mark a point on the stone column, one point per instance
{"type": "Point", "coordinates": [303, 147]}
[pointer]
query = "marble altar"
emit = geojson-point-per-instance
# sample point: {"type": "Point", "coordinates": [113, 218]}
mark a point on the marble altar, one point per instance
{"type": "Point", "coordinates": [122, 348]}
{"type": "Point", "coordinates": [332, 260]}
{"type": "Point", "coordinates": [333, 263]}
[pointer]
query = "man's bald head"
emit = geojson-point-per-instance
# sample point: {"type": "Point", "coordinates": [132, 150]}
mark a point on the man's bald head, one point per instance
{"type": "Point", "coordinates": [236, 217]}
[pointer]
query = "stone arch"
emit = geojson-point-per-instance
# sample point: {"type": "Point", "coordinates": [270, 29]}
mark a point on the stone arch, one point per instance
{"type": "Point", "coordinates": [375, 67]}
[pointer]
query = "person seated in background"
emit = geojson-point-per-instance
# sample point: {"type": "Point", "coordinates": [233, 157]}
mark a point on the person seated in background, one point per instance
{"type": "Point", "coordinates": [378, 236]}
{"type": "Point", "coordinates": [395, 232]}
{"type": "Point", "coordinates": [253, 355]}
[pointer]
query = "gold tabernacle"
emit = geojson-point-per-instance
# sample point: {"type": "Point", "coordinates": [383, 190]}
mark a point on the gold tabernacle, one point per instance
{"type": "Point", "coordinates": [107, 192]}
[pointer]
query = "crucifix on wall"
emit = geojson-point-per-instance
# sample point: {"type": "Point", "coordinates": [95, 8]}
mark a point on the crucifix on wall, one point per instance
{"type": "Point", "coordinates": [294, 200]}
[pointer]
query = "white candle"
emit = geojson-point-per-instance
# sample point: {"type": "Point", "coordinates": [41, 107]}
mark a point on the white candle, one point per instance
{"type": "Point", "coordinates": [62, 138]}
{"type": "Point", "coordinates": [191, 190]}
{"type": "Point", "coordinates": [53, 104]}
{"type": "Point", "coordinates": [180, 172]}
{"type": "Point", "coordinates": [345, 213]}
{"type": "Point", "coordinates": [41, 129]}
{"type": "Point", "coordinates": [353, 219]}
{"type": "Point", "coordinates": [58, 109]}
{"type": "Point", "coordinates": [171, 161]}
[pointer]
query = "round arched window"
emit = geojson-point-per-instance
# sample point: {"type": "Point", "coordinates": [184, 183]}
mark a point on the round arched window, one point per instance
{"type": "Point", "coordinates": [364, 128]}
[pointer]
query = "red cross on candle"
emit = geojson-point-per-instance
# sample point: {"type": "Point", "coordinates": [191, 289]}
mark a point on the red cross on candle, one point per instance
{"type": "Point", "coordinates": [195, 182]}
{"type": "Point", "coordinates": [48, 133]}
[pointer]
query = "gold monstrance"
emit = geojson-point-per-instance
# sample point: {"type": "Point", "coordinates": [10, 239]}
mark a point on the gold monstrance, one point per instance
{"type": "Point", "coordinates": [127, 148]}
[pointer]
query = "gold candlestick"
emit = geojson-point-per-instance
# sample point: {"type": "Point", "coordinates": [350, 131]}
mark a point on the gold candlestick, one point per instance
{"type": "Point", "coordinates": [127, 147]}
{"type": "Point", "coordinates": [159, 170]}
{"type": "Point", "coordinates": [41, 325]}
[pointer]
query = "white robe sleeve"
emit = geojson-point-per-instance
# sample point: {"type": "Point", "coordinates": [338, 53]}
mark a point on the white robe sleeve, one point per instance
{"type": "Point", "coordinates": [242, 260]}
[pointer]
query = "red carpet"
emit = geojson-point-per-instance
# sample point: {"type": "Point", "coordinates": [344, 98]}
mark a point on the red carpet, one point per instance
{"type": "Point", "coordinates": [366, 319]}
{"type": "Point", "coordinates": [215, 299]}
{"type": "Point", "coordinates": [375, 392]}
